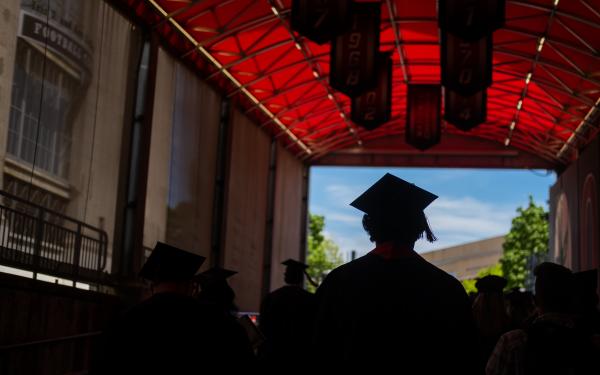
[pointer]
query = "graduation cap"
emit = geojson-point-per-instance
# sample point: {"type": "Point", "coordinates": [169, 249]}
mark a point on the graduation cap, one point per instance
{"type": "Point", "coordinates": [214, 274]}
{"type": "Point", "coordinates": [294, 264]}
{"type": "Point", "coordinates": [169, 263]}
{"type": "Point", "coordinates": [295, 271]}
{"type": "Point", "coordinates": [392, 193]}
{"type": "Point", "coordinates": [491, 284]}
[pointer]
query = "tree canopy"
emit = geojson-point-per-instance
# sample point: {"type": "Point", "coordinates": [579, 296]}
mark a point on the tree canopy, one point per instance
{"type": "Point", "coordinates": [323, 254]}
{"type": "Point", "coordinates": [525, 244]}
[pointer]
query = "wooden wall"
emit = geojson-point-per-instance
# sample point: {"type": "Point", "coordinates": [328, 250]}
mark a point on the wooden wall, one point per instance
{"type": "Point", "coordinates": [193, 161]}
{"type": "Point", "coordinates": [34, 310]}
{"type": "Point", "coordinates": [183, 158]}
{"type": "Point", "coordinates": [246, 209]}
{"type": "Point", "coordinates": [583, 222]}
{"type": "Point", "coordinates": [288, 215]}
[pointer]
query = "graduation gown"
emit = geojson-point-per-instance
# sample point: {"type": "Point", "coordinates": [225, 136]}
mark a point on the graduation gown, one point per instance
{"type": "Point", "coordinates": [391, 309]}
{"type": "Point", "coordinates": [173, 333]}
{"type": "Point", "coordinates": [286, 320]}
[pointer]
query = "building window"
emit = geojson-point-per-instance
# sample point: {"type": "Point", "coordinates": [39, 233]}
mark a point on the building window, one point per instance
{"type": "Point", "coordinates": [41, 101]}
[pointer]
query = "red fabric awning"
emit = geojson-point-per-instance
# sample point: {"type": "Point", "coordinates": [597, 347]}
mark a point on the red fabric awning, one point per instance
{"type": "Point", "coordinates": [247, 49]}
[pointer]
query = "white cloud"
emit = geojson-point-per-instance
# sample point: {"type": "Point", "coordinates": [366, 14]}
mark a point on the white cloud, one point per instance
{"type": "Point", "coordinates": [343, 194]}
{"type": "Point", "coordinates": [342, 218]}
{"type": "Point", "coordinates": [338, 213]}
{"type": "Point", "coordinates": [468, 216]}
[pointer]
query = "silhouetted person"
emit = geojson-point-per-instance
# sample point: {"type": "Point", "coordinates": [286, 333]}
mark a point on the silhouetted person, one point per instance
{"type": "Point", "coordinates": [586, 296]}
{"type": "Point", "coordinates": [391, 310]}
{"type": "Point", "coordinates": [490, 313]}
{"type": "Point", "coordinates": [520, 308]}
{"type": "Point", "coordinates": [214, 289]}
{"type": "Point", "coordinates": [286, 320]}
{"type": "Point", "coordinates": [171, 332]}
{"type": "Point", "coordinates": [215, 292]}
{"type": "Point", "coordinates": [554, 343]}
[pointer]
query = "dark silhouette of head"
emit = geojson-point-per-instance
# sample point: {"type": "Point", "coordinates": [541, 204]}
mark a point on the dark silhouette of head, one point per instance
{"type": "Point", "coordinates": [294, 276]}
{"type": "Point", "coordinates": [399, 227]}
{"type": "Point", "coordinates": [171, 269]}
{"type": "Point", "coordinates": [553, 288]}
{"type": "Point", "coordinates": [394, 211]}
{"type": "Point", "coordinates": [294, 272]}
{"type": "Point", "coordinates": [214, 287]}
{"type": "Point", "coordinates": [218, 292]}
{"type": "Point", "coordinates": [491, 284]}
{"type": "Point", "coordinates": [519, 307]}
{"type": "Point", "coordinates": [488, 307]}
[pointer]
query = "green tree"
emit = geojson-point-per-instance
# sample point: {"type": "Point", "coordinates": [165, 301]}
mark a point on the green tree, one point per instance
{"type": "Point", "coordinates": [526, 242]}
{"type": "Point", "coordinates": [323, 254]}
{"type": "Point", "coordinates": [469, 284]}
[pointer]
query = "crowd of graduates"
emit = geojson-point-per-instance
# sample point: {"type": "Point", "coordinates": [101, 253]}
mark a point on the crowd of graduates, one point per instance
{"type": "Point", "coordinates": [388, 311]}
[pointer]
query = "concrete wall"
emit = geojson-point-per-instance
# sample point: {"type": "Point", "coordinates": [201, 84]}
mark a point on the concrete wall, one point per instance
{"type": "Point", "coordinates": [98, 128]}
{"type": "Point", "coordinates": [96, 114]}
{"type": "Point", "coordinates": [9, 22]}
{"type": "Point", "coordinates": [464, 261]}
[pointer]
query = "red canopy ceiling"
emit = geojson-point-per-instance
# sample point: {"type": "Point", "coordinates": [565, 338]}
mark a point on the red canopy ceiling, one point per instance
{"type": "Point", "coordinates": [547, 55]}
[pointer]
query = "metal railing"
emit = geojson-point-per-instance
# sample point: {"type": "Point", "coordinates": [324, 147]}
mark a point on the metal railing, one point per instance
{"type": "Point", "coordinates": [40, 240]}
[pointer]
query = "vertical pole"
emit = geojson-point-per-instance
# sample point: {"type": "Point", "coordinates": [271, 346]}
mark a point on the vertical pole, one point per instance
{"type": "Point", "coordinates": [77, 254]}
{"type": "Point", "coordinates": [131, 243]}
{"type": "Point", "coordinates": [304, 222]}
{"type": "Point", "coordinates": [37, 245]}
{"type": "Point", "coordinates": [218, 210]}
{"type": "Point", "coordinates": [268, 250]}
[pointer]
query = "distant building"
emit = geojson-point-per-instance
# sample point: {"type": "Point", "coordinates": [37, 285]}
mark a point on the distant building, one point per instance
{"type": "Point", "coordinates": [464, 261]}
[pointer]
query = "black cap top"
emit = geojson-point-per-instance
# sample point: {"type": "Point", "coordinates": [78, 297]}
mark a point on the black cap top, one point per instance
{"type": "Point", "coordinates": [295, 264]}
{"type": "Point", "coordinates": [214, 274]}
{"type": "Point", "coordinates": [391, 192]}
{"type": "Point", "coordinates": [169, 263]}
{"type": "Point", "coordinates": [491, 284]}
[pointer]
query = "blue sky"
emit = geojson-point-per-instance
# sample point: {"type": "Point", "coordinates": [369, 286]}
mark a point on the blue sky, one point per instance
{"type": "Point", "coordinates": [473, 204]}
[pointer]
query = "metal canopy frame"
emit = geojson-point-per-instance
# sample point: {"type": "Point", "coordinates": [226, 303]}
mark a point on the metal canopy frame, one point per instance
{"type": "Point", "coordinates": [546, 71]}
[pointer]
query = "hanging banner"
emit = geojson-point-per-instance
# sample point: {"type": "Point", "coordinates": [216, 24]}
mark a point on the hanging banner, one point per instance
{"type": "Point", "coordinates": [466, 66]}
{"type": "Point", "coordinates": [354, 53]}
{"type": "Point", "coordinates": [373, 108]}
{"type": "Point", "coordinates": [320, 20]}
{"type": "Point", "coordinates": [465, 112]}
{"type": "Point", "coordinates": [423, 109]}
{"type": "Point", "coordinates": [471, 19]}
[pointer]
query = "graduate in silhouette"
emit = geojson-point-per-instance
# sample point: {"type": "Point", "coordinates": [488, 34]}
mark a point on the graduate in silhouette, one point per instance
{"type": "Point", "coordinates": [520, 308]}
{"type": "Point", "coordinates": [172, 332]}
{"type": "Point", "coordinates": [286, 320]}
{"type": "Point", "coordinates": [391, 310]}
{"type": "Point", "coordinates": [556, 341]}
{"type": "Point", "coordinates": [214, 289]}
{"type": "Point", "coordinates": [586, 299]}
{"type": "Point", "coordinates": [489, 312]}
